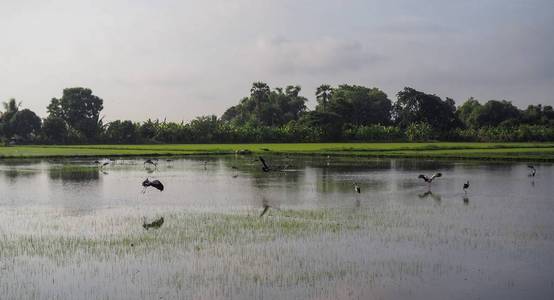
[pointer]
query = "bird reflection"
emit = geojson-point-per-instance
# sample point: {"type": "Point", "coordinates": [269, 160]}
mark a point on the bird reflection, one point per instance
{"type": "Point", "coordinates": [466, 199]}
{"type": "Point", "coordinates": [430, 194]}
{"type": "Point", "coordinates": [266, 206]}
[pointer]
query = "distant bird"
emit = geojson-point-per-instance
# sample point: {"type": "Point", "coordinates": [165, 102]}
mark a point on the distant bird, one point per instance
{"type": "Point", "coordinates": [356, 188]}
{"type": "Point", "coordinates": [533, 170]}
{"type": "Point", "coordinates": [265, 167]}
{"type": "Point", "coordinates": [154, 183]}
{"type": "Point", "coordinates": [466, 186]}
{"type": "Point", "coordinates": [155, 224]}
{"type": "Point", "coordinates": [429, 179]}
{"type": "Point", "coordinates": [266, 208]}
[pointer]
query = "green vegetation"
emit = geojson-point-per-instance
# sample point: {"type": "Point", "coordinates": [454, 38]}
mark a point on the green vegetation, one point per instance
{"type": "Point", "coordinates": [345, 113]}
{"type": "Point", "coordinates": [497, 151]}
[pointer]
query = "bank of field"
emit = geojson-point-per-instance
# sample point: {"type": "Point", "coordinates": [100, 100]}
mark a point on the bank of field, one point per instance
{"type": "Point", "coordinates": [494, 151]}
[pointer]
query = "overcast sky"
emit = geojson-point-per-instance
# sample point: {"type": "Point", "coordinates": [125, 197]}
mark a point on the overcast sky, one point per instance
{"type": "Point", "coordinates": [181, 59]}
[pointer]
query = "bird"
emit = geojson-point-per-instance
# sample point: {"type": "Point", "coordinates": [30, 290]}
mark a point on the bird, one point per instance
{"type": "Point", "coordinates": [105, 164]}
{"type": "Point", "coordinates": [356, 188]}
{"type": "Point", "coordinates": [429, 179]}
{"type": "Point", "coordinates": [266, 208]}
{"type": "Point", "coordinates": [265, 167]}
{"type": "Point", "coordinates": [155, 224]}
{"type": "Point", "coordinates": [533, 170]}
{"type": "Point", "coordinates": [154, 183]}
{"type": "Point", "coordinates": [466, 186]}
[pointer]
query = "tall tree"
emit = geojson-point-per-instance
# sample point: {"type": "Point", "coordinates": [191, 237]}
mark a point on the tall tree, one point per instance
{"type": "Point", "coordinates": [80, 109]}
{"type": "Point", "coordinates": [360, 105]}
{"type": "Point", "coordinates": [260, 93]}
{"type": "Point", "coordinates": [414, 106]}
{"type": "Point", "coordinates": [323, 94]}
{"type": "Point", "coordinates": [496, 113]}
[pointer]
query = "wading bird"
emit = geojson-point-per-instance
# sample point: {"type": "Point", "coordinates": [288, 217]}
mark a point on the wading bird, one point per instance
{"type": "Point", "coordinates": [357, 188]}
{"type": "Point", "coordinates": [155, 224]}
{"type": "Point", "coordinates": [429, 179]}
{"type": "Point", "coordinates": [466, 186]}
{"type": "Point", "coordinates": [533, 170]}
{"type": "Point", "coordinates": [154, 183]}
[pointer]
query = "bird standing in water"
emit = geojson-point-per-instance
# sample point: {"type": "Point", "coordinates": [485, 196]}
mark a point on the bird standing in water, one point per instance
{"type": "Point", "coordinates": [533, 171]}
{"type": "Point", "coordinates": [357, 188]}
{"type": "Point", "coordinates": [466, 186]}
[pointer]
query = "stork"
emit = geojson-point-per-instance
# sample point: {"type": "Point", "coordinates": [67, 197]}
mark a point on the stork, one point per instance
{"type": "Point", "coordinates": [466, 186]}
{"type": "Point", "coordinates": [154, 183]}
{"type": "Point", "coordinates": [533, 170]}
{"type": "Point", "coordinates": [356, 188]}
{"type": "Point", "coordinates": [429, 180]}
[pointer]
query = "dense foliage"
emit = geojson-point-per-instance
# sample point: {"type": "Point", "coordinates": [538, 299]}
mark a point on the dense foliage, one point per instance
{"type": "Point", "coordinates": [343, 113]}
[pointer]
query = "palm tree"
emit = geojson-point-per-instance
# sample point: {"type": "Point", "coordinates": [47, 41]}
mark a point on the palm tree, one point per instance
{"type": "Point", "coordinates": [323, 94]}
{"type": "Point", "coordinates": [293, 90]}
{"type": "Point", "coordinates": [11, 107]}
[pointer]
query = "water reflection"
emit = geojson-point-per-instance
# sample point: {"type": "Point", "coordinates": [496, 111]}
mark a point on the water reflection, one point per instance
{"type": "Point", "coordinates": [430, 194]}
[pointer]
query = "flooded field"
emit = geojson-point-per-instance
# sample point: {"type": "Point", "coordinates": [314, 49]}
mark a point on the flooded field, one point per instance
{"type": "Point", "coordinates": [73, 229]}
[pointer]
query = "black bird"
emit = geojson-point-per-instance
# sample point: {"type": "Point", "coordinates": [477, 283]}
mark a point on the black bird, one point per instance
{"type": "Point", "coordinates": [429, 179]}
{"type": "Point", "coordinates": [154, 183]}
{"type": "Point", "coordinates": [466, 186]}
{"type": "Point", "coordinates": [266, 208]}
{"type": "Point", "coordinates": [155, 224]}
{"type": "Point", "coordinates": [265, 167]}
{"type": "Point", "coordinates": [533, 170]}
{"type": "Point", "coordinates": [356, 188]}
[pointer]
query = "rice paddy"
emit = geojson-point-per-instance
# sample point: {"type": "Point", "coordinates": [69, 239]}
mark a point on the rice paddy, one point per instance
{"type": "Point", "coordinates": [72, 230]}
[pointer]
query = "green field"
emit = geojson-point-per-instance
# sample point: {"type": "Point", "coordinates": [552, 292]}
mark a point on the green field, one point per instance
{"type": "Point", "coordinates": [493, 151]}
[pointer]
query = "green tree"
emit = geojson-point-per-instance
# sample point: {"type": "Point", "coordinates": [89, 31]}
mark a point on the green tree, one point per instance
{"type": "Point", "coordinates": [260, 94]}
{"type": "Point", "coordinates": [469, 112]}
{"type": "Point", "coordinates": [80, 109]}
{"type": "Point", "coordinates": [360, 105]}
{"type": "Point", "coordinates": [55, 130]}
{"type": "Point", "coordinates": [25, 123]}
{"type": "Point", "coordinates": [495, 113]}
{"type": "Point", "coordinates": [323, 94]}
{"type": "Point", "coordinates": [414, 106]}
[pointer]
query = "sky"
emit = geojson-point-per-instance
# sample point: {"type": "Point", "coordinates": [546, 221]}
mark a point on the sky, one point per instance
{"type": "Point", "coordinates": [176, 60]}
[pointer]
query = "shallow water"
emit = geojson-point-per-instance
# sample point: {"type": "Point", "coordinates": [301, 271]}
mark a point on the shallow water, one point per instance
{"type": "Point", "coordinates": [70, 229]}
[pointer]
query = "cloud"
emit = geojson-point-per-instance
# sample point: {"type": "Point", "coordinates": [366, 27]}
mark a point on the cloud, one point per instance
{"type": "Point", "coordinates": [326, 55]}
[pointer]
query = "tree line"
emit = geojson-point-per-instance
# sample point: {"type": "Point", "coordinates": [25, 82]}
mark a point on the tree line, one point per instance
{"type": "Point", "coordinates": [343, 113]}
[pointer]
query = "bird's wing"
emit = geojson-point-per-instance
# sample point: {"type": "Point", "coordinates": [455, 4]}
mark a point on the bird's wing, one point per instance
{"type": "Point", "coordinates": [436, 175]}
{"type": "Point", "coordinates": [263, 162]}
{"type": "Point", "coordinates": [266, 208]}
{"type": "Point", "coordinates": [423, 177]}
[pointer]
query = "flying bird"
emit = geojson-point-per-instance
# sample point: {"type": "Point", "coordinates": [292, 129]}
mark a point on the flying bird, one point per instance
{"type": "Point", "coordinates": [356, 188]}
{"type": "Point", "coordinates": [265, 167]}
{"type": "Point", "coordinates": [154, 183]}
{"type": "Point", "coordinates": [429, 179]}
{"type": "Point", "coordinates": [155, 224]}
{"type": "Point", "coordinates": [533, 170]}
